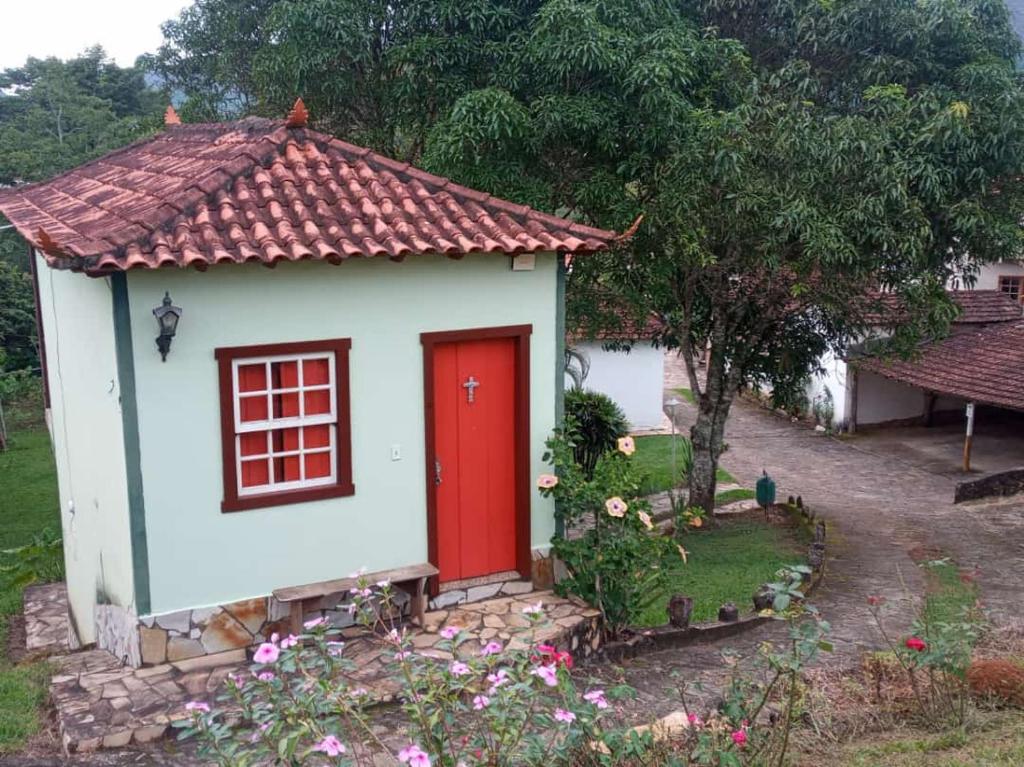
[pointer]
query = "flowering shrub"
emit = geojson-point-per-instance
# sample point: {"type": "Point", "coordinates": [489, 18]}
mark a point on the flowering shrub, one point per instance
{"type": "Point", "coordinates": [935, 658]}
{"type": "Point", "coordinates": [487, 705]}
{"type": "Point", "coordinates": [612, 552]}
{"type": "Point", "coordinates": [740, 733]}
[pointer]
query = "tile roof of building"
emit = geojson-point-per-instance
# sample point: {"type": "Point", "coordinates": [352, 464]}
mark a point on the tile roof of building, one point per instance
{"type": "Point", "coordinates": [980, 306]}
{"type": "Point", "coordinates": [983, 365]}
{"type": "Point", "coordinates": [259, 190]}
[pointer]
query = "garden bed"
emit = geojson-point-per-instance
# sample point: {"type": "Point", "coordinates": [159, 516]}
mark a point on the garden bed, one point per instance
{"type": "Point", "coordinates": [727, 563]}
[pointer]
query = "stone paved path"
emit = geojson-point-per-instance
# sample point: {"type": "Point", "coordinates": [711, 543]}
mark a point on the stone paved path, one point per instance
{"type": "Point", "coordinates": [883, 514]}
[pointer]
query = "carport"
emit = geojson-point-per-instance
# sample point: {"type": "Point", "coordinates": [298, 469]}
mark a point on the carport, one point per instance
{"type": "Point", "coordinates": [972, 377]}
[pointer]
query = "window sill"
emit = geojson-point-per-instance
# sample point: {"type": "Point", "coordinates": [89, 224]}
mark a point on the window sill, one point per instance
{"type": "Point", "coordinates": [266, 500]}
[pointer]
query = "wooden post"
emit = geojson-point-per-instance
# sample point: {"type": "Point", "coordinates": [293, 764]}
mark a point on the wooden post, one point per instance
{"type": "Point", "coordinates": [851, 399]}
{"type": "Point", "coordinates": [968, 436]}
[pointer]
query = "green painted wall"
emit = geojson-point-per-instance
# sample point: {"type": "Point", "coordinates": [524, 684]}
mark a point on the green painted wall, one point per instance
{"type": "Point", "coordinates": [88, 441]}
{"type": "Point", "coordinates": [199, 556]}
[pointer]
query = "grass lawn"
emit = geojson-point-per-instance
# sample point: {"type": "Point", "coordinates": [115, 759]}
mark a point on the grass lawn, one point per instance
{"type": "Point", "coordinates": [736, 494]}
{"type": "Point", "coordinates": [686, 394]}
{"type": "Point", "coordinates": [726, 564]}
{"type": "Point", "coordinates": [654, 456]}
{"type": "Point", "coordinates": [28, 505]}
{"type": "Point", "coordinates": [995, 739]}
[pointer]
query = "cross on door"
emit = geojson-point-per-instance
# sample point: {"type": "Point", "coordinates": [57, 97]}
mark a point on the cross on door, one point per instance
{"type": "Point", "coordinates": [470, 387]}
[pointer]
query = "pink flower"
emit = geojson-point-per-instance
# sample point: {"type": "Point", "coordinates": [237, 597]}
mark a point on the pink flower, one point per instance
{"type": "Point", "coordinates": [626, 445]}
{"type": "Point", "coordinates": [265, 676]}
{"type": "Point", "coordinates": [562, 715]}
{"type": "Point", "coordinates": [491, 648]}
{"type": "Point", "coordinates": [616, 507]}
{"type": "Point", "coordinates": [916, 643]}
{"type": "Point", "coordinates": [596, 697]}
{"type": "Point", "coordinates": [310, 625]}
{"type": "Point", "coordinates": [497, 679]}
{"type": "Point", "coordinates": [402, 655]}
{"type": "Point", "coordinates": [646, 519]}
{"type": "Point", "coordinates": [197, 705]}
{"type": "Point", "coordinates": [695, 720]}
{"type": "Point", "coordinates": [449, 632]}
{"type": "Point", "coordinates": [414, 756]}
{"type": "Point", "coordinates": [547, 481]}
{"type": "Point", "coordinates": [359, 692]}
{"type": "Point", "coordinates": [537, 609]}
{"type": "Point", "coordinates": [330, 746]}
{"type": "Point", "coordinates": [335, 648]}
{"type": "Point", "coordinates": [274, 637]}
{"type": "Point", "coordinates": [267, 652]}
{"type": "Point", "coordinates": [548, 674]}
{"type": "Point", "coordinates": [739, 737]}
{"type": "Point", "coordinates": [289, 641]}
{"type": "Point", "coordinates": [383, 584]}
{"type": "Point", "coordinates": [874, 600]}
{"type": "Point", "coordinates": [481, 702]}
{"type": "Point", "coordinates": [458, 668]}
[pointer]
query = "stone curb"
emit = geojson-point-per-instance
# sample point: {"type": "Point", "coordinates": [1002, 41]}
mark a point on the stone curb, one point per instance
{"type": "Point", "coordinates": [649, 640]}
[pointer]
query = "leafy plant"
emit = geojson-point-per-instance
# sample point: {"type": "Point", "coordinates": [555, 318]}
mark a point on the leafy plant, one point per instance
{"type": "Point", "coordinates": [824, 409]}
{"type": "Point", "coordinates": [41, 560]}
{"type": "Point", "coordinates": [487, 705]}
{"type": "Point", "coordinates": [612, 552]}
{"type": "Point", "coordinates": [738, 734]}
{"type": "Point", "coordinates": [597, 423]}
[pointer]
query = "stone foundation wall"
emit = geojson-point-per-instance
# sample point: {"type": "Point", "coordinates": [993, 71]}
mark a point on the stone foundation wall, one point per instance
{"type": "Point", "coordinates": [185, 634]}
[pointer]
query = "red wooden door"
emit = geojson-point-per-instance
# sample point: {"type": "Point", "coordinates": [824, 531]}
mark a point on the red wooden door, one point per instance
{"type": "Point", "coordinates": [474, 445]}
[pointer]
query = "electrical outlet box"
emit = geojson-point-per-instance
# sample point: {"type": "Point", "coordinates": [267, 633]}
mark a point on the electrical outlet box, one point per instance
{"type": "Point", "coordinates": [396, 452]}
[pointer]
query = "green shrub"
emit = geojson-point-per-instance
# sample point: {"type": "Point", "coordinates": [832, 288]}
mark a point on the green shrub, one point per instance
{"type": "Point", "coordinates": [597, 422]}
{"type": "Point", "coordinates": [613, 554]}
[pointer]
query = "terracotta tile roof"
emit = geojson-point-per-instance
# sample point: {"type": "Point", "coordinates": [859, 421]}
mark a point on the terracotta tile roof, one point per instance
{"type": "Point", "coordinates": [984, 365]}
{"type": "Point", "coordinates": [976, 307]}
{"type": "Point", "coordinates": [257, 190]}
{"type": "Point", "coordinates": [979, 306]}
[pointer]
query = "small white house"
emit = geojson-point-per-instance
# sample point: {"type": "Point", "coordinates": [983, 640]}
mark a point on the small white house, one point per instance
{"type": "Point", "coordinates": [379, 397]}
{"type": "Point", "coordinates": [875, 394]}
{"type": "Point", "coordinates": [632, 373]}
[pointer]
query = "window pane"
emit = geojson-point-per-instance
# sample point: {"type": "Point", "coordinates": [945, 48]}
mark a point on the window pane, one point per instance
{"type": "Point", "coordinates": [253, 443]}
{"type": "Point", "coordinates": [252, 377]}
{"type": "Point", "coordinates": [315, 372]}
{"type": "Point", "coordinates": [318, 402]}
{"type": "Point", "coordinates": [284, 374]}
{"type": "Point", "coordinates": [284, 439]}
{"type": "Point", "coordinates": [286, 469]}
{"type": "Point", "coordinates": [286, 405]}
{"type": "Point", "coordinates": [316, 436]}
{"type": "Point", "coordinates": [253, 408]}
{"type": "Point", "coordinates": [255, 473]}
{"type": "Point", "coordinates": [318, 465]}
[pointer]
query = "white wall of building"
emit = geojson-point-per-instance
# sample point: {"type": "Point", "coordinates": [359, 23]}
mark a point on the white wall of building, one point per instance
{"type": "Point", "coordinates": [880, 400]}
{"type": "Point", "coordinates": [988, 276]}
{"type": "Point", "coordinates": [634, 379]}
{"type": "Point", "coordinates": [832, 378]}
{"type": "Point", "coordinates": [88, 442]}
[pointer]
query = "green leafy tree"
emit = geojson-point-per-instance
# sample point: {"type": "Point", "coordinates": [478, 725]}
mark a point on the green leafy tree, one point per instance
{"type": "Point", "coordinates": [209, 55]}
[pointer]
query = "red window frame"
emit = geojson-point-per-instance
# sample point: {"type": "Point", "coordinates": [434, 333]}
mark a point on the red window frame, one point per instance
{"type": "Point", "coordinates": [1008, 279]}
{"type": "Point", "coordinates": [342, 485]}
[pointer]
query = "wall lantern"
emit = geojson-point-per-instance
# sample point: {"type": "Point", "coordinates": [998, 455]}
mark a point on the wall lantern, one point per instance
{"type": "Point", "coordinates": [167, 315]}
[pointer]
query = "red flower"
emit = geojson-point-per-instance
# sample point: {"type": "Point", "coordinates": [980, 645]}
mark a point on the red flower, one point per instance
{"type": "Point", "coordinates": [916, 643]}
{"type": "Point", "coordinates": [550, 655]}
{"type": "Point", "coordinates": [874, 600]}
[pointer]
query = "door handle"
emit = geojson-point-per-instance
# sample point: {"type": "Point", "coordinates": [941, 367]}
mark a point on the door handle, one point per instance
{"type": "Point", "coordinates": [437, 471]}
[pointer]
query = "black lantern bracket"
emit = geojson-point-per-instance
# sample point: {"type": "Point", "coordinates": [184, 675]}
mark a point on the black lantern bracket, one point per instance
{"type": "Point", "coordinates": [167, 316]}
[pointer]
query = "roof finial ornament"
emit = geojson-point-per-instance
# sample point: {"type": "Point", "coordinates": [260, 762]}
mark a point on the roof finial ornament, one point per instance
{"type": "Point", "coordinates": [628, 234]}
{"type": "Point", "coordinates": [171, 117]}
{"type": "Point", "coordinates": [298, 117]}
{"type": "Point", "coordinates": [48, 245]}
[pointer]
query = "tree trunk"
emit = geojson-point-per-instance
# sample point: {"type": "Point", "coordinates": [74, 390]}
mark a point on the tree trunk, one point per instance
{"type": "Point", "coordinates": [706, 435]}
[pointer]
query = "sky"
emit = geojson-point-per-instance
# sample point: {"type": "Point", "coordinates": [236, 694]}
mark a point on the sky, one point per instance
{"type": "Point", "coordinates": [64, 28]}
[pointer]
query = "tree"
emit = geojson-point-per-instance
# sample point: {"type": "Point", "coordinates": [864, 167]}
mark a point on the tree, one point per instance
{"type": "Point", "coordinates": [208, 56]}
{"type": "Point", "coordinates": [878, 147]}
